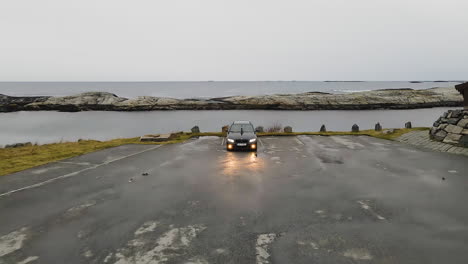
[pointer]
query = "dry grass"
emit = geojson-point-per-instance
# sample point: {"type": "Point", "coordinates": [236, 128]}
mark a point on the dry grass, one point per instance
{"type": "Point", "coordinates": [18, 159]}
{"type": "Point", "coordinates": [276, 127]}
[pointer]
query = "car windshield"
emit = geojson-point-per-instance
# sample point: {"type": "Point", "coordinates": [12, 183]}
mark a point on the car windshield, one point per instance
{"type": "Point", "coordinates": [236, 128]}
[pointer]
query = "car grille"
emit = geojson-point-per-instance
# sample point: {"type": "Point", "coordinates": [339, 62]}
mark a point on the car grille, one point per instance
{"type": "Point", "coordinates": [242, 141]}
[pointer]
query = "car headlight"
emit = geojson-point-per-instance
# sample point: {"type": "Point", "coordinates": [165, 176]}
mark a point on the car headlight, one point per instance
{"type": "Point", "coordinates": [230, 140]}
{"type": "Point", "coordinates": [252, 140]}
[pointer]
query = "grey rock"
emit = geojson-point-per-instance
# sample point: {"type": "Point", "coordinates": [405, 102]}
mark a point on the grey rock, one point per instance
{"type": "Point", "coordinates": [452, 138]}
{"type": "Point", "coordinates": [453, 121]}
{"type": "Point", "coordinates": [463, 141]}
{"type": "Point", "coordinates": [195, 129]}
{"type": "Point", "coordinates": [453, 129]}
{"type": "Point", "coordinates": [408, 125]}
{"type": "Point", "coordinates": [288, 129]}
{"type": "Point", "coordinates": [16, 103]}
{"type": "Point", "coordinates": [456, 114]}
{"type": "Point", "coordinates": [355, 128]}
{"type": "Point", "coordinates": [442, 126]}
{"type": "Point", "coordinates": [463, 123]}
{"type": "Point", "coordinates": [378, 127]}
{"type": "Point", "coordinates": [323, 128]}
{"type": "Point", "coordinates": [440, 135]}
{"type": "Point", "coordinates": [259, 129]}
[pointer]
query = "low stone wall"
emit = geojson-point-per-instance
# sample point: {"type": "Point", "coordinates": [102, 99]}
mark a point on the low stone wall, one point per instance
{"type": "Point", "coordinates": [451, 128]}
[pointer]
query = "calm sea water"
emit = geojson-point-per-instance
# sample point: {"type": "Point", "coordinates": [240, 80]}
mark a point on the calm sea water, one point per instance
{"type": "Point", "coordinates": [46, 127]}
{"type": "Point", "coordinates": [201, 89]}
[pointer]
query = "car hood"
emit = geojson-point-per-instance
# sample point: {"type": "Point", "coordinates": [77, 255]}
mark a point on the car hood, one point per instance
{"type": "Point", "coordinates": [248, 135]}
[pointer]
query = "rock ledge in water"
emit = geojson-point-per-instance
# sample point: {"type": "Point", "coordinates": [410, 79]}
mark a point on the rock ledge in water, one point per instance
{"type": "Point", "coordinates": [378, 99]}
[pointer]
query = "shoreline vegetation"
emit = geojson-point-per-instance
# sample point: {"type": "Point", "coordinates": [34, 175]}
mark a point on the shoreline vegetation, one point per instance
{"type": "Point", "coordinates": [17, 159]}
{"type": "Point", "coordinates": [368, 100]}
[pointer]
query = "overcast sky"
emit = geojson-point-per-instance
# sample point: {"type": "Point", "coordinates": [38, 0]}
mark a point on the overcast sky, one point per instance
{"type": "Point", "coordinates": [156, 40]}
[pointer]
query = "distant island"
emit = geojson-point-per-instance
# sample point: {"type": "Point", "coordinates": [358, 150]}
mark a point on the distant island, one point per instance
{"type": "Point", "coordinates": [439, 81]}
{"type": "Point", "coordinates": [346, 81]}
{"type": "Point", "coordinates": [377, 99]}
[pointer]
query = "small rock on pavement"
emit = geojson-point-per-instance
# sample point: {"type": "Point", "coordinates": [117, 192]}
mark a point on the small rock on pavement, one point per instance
{"type": "Point", "coordinates": [323, 128]}
{"type": "Point", "coordinates": [355, 128]}
{"type": "Point", "coordinates": [378, 127]}
{"type": "Point", "coordinates": [195, 129]}
{"type": "Point", "coordinates": [288, 129]}
{"type": "Point", "coordinates": [155, 138]}
{"type": "Point", "coordinates": [408, 125]}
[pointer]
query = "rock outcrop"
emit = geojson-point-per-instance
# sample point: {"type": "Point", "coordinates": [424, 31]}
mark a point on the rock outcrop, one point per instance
{"type": "Point", "coordinates": [16, 103]}
{"type": "Point", "coordinates": [378, 99]}
{"type": "Point", "coordinates": [451, 128]}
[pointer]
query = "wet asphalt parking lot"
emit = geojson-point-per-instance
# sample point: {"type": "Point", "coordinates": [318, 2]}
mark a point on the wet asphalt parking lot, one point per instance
{"type": "Point", "coordinates": [305, 199]}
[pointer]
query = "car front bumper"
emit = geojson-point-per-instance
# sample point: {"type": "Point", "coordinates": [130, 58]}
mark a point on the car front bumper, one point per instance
{"type": "Point", "coordinates": [242, 146]}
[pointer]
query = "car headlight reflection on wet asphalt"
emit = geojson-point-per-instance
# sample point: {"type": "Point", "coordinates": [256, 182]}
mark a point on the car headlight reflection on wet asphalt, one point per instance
{"type": "Point", "coordinates": [235, 163]}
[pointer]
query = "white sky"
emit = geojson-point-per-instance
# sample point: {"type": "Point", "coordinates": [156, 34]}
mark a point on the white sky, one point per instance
{"type": "Point", "coordinates": [156, 40]}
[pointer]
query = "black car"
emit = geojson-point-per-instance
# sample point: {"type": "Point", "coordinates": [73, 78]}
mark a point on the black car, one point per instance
{"type": "Point", "coordinates": [241, 136]}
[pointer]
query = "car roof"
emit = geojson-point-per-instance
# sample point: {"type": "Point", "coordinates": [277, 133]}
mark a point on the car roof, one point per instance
{"type": "Point", "coordinates": [242, 122]}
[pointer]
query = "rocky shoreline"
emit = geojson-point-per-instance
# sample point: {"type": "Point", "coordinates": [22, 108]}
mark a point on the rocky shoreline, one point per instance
{"type": "Point", "coordinates": [377, 99]}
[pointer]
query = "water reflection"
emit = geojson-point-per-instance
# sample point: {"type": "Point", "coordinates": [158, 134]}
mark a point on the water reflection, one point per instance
{"type": "Point", "coordinates": [239, 163]}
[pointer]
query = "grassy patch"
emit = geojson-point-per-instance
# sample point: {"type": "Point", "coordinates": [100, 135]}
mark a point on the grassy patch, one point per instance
{"type": "Point", "coordinates": [18, 159]}
{"type": "Point", "coordinates": [371, 133]}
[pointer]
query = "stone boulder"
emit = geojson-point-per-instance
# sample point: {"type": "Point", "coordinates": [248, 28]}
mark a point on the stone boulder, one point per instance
{"type": "Point", "coordinates": [259, 129]}
{"type": "Point", "coordinates": [378, 127]}
{"type": "Point", "coordinates": [440, 135]}
{"type": "Point", "coordinates": [452, 138]}
{"type": "Point", "coordinates": [463, 123]}
{"type": "Point", "coordinates": [195, 129]}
